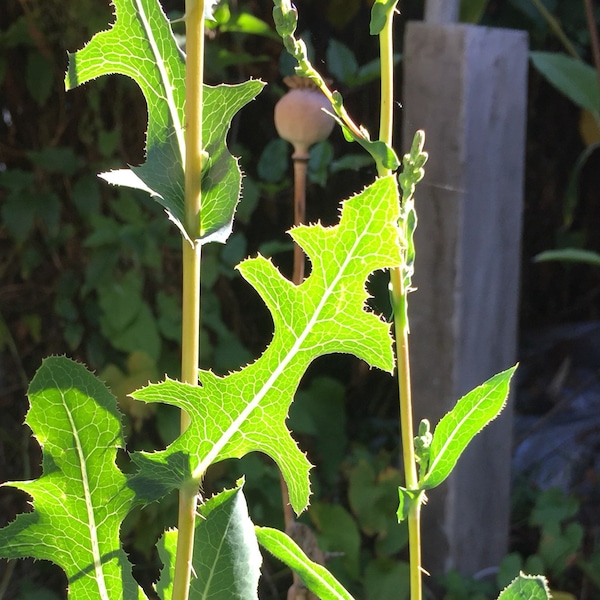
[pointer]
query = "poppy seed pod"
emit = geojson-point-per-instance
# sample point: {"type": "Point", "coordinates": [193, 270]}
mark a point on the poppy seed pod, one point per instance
{"type": "Point", "coordinates": [300, 118]}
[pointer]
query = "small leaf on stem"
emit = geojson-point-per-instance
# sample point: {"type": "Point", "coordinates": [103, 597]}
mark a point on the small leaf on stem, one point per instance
{"type": "Point", "coordinates": [458, 427]}
{"type": "Point", "coordinates": [379, 15]}
{"type": "Point", "coordinates": [406, 500]}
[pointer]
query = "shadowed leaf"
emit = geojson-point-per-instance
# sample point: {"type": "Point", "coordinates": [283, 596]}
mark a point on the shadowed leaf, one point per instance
{"type": "Point", "coordinates": [141, 45]}
{"type": "Point", "coordinates": [226, 559]}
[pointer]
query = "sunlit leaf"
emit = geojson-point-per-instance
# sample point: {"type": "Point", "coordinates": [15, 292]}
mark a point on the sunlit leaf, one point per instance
{"type": "Point", "coordinates": [226, 560]}
{"type": "Point", "coordinates": [81, 498]}
{"type": "Point", "coordinates": [457, 428]}
{"type": "Point", "coordinates": [526, 587]}
{"type": "Point", "coordinates": [246, 410]}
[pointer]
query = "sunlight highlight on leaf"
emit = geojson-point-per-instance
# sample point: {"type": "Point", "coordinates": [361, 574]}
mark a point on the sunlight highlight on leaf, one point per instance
{"type": "Point", "coordinates": [246, 410]}
{"type": "Point", "coordinates": [81, 498]}
{"type": "Point", "coordinates": [458, 427]}
{"type": "Point", "coordinates": [316, 577]}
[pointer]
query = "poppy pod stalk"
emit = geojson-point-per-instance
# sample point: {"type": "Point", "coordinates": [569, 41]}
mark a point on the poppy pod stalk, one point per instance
{"type": "Point", "coordinates": [301, 120]}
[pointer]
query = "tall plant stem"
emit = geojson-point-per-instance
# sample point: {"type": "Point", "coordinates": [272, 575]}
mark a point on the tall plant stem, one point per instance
{"type": "Point", "coordinates": [386, 53]}
{"type": "Point", "coordinates": [190, 338]}
{"type": "Point", "coordinates": [300, 168]}
{"type": "Point", "coordinates": [399, 299]}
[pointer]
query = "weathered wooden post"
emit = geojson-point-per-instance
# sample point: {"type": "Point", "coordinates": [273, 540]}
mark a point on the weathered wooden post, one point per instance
{"type": "Point", "coordinates": [466, 87]}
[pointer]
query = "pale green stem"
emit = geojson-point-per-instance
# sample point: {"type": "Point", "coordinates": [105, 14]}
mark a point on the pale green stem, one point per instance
{"type": "Point", "coordinates": [316, 78]}
{"type": "Point", "coordinates": [399, 299]}
{"type": "Point", "coordinates": [386, 53]}
{"type": "Point", "coordinates": [190, 338]}
{"type": "Point", "coordinates": [300, 170]}
{"type": "Point", "coordinates": [406, 429]}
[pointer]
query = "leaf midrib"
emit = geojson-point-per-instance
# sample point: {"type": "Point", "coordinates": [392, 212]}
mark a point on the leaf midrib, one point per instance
{"type": "Point", "coordinates": [454, 433]}
{"type": "Point", "coordinates": [88, 504]}
{"type": "Point", "coordinates": [207, 588]}
{"type": "Point", "coordinates": [245, 413]}
{"type": "Point", "coordinates": [167, 86]}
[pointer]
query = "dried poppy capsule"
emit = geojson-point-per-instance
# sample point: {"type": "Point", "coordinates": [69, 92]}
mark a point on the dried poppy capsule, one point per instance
{"type": "Point", "coordinates": [300, 118]}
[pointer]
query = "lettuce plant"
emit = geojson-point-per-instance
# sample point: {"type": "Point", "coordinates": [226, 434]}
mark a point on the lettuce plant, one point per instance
{"type": "Point", "coordinates": [82, 497]}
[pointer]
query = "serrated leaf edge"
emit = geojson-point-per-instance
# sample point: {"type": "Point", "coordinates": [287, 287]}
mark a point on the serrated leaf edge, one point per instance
{"type": "Point", "coordinates": [452, 436]}
{"type": "Point", "coordinates": [524, 576]}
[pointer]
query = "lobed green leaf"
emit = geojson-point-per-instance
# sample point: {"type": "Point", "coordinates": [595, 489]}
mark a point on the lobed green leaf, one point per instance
{"type": "Point", "coordinates": [141, 45]}
{"type": "Point", "coordinates": [82, 497]}
{"type": "Point", "coordinates": [246, 410]}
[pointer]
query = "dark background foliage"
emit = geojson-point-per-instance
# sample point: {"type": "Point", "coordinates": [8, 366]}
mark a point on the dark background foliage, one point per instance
{"type": "Point", "coordinates": [93, 271]}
